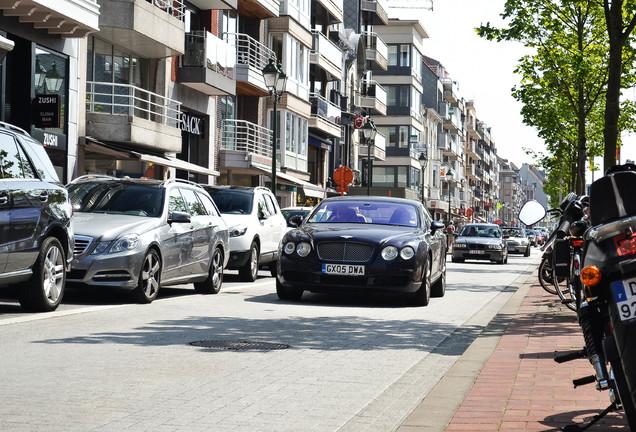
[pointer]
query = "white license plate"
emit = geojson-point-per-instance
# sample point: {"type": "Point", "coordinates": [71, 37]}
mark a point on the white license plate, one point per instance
{"type": "Point", "coordinates": [343, 269]}
{"type": "Point", "coordinates": [476, 252]}
{"type": "Point", "coordinates": [625, 295]}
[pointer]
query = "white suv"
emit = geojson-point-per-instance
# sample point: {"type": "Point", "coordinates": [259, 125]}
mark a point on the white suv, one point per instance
{"type": "Point", "coordinates": [256, 226]}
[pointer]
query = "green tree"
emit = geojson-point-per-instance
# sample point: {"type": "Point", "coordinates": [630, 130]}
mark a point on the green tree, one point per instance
{"type": "Point", "coordinates": [563, 81]}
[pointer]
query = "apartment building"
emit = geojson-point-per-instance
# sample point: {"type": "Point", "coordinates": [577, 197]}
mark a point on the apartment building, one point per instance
{"type": "Point", "coordinates": [40, 87]}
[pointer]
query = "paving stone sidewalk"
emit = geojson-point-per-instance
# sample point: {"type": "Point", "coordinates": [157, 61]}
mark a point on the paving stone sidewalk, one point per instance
{"type": "Point", "coordinates": [521, 387]}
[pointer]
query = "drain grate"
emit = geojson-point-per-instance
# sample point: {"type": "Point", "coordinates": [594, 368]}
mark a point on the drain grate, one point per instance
{"type": "Point", "coordinates": [239, 345]}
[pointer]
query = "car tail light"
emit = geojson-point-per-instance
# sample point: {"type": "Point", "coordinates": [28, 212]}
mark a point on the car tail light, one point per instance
{"type": "Point", "coordinates": [625, 246]}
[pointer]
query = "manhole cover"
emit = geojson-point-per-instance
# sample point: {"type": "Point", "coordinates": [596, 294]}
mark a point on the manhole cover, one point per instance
{"type": "Point", "coordinates": [239, 345]}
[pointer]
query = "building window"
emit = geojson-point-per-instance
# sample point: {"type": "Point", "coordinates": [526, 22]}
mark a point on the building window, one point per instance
{"type": "Point", "coordinates": [397, 95]}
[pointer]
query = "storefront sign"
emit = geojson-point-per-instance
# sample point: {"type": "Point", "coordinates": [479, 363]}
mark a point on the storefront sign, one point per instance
{"type": "Point", "coordinates": [191, 124]}
{"type": "Point", "coordinates": [47, 111]}
{"type": "Point", "coordinates": [50, 140]}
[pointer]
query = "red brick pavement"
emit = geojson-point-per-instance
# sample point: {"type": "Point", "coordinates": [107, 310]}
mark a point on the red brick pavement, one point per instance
{"type": "Point", "coordinates": [522, 388]}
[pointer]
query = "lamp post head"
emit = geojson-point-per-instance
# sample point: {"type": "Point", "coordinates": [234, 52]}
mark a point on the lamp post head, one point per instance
{"type": "Point", "coordinates": [369, 130]}
{"type": "Point", "coordinates": [53, 79]}
{"type": "Point", "coordinates": [449, 175]}
{"type": "Point", "coordinates": [270, 75]}
{"type": "Point", "coordinates": [422, 160]}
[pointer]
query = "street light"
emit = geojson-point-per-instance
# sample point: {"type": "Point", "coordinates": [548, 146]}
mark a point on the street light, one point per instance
{"type": "Point", "coordinates": [449, 178]}
{"type": "Point", "coordinates": [40, 73]}
{"type": "Point", "coordinates": [369, 132]}
{"type": "Point", "coordinates": [275, 81]}
{"type": "Point", "coordinates": [53, 79]}
{"type": "Point", "coordinates": [423, 162]}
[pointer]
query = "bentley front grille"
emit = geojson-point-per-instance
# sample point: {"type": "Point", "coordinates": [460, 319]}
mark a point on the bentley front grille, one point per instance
{"type": "Point", "coordinates": [345, 251]}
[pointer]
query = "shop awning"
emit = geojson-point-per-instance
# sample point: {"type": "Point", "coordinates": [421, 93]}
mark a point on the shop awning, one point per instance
{"type": "Point", "coordinates": [310, 189]}
{"type": "Point", "coordinates": [176, 163]}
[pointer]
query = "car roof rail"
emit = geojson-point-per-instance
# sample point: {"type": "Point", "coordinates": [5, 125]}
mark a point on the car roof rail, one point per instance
{"type": "Point", "coordinates": [92, 176]}
{"type": "Point", "coordinates": [177, 180]}
{"type": "Point", "coordinates": [14, 128]}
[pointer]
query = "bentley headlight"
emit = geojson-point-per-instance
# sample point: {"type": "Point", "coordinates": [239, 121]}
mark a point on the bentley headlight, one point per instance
{"type": "Point", "coordinates": [289, 248]}
{"type": "Point", "coordinates": [127, 242]}
{"type": "Point", "coordinates": [389, 253]}
{"type": "Point", "coordinates": [303, 249]}
{"type": "Point", "coordinates": [407, 253]}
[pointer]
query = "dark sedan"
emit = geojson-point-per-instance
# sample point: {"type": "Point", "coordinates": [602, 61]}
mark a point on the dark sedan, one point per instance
{"type": "Point", "coordinates": [364, 244]}
{"type": "Point", "coordinates": [480, 242]}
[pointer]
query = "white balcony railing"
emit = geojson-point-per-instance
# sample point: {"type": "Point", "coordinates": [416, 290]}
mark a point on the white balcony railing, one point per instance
{"type": "Point", "coordinates": [176, 8]}
{"type": "Point", "coordinates": [249, 51]}
{"type": "Point", "coordinates": [373, 89]}
{"type": "Point", "coordinates": [327, 49]}
{"type": "Point", "coordinates": [203, 49]}
{"type": "Point", "coordinates": [241, 135]}
{"type": "Point", "coordinates": [374, 42]}
{"type": "Point", "coordinates": [126, 99]}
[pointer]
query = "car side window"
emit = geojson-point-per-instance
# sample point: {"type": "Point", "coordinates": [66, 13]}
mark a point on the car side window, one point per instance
{"type": "Point", "coordinates": [271, 207]}
{"type": "Point", "coordinates": [176, 203]}
{"type": "Point", "coordinates": [208, 204]}
{"type": "Point", "coordinates": [12, 159]}
{"type": "Point", "coordinates": [195, 208]}
{"type": "Point", "coordinates": [263, 209]}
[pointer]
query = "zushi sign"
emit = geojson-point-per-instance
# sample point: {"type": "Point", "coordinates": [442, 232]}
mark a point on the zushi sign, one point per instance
{"type": "Point", "coordinates": [47, 111]}
{"type": "Point", "coordinates": [50, 140]}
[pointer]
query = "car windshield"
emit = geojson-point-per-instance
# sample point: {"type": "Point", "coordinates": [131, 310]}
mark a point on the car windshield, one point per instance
{"type": "Point", "coordinates": [117, 198]}
{"type": "Point", "coordinates": [480, 231]}
{"type": "Point", "coordinates": [384, 213]}
{"type": "Point", "coordinates": [513, 232]}
{"type": "Point", "coordinates": [233, 201]}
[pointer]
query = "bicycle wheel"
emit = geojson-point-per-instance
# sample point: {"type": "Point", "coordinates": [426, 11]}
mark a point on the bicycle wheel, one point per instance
{"type": "Point", "coordinates": [566, 292]}
{"type": "Point", "coordinates": [546, 277]}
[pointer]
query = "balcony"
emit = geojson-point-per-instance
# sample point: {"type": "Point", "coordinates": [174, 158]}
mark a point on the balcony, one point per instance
{"type": "Point", "coordinates": [244, 145]}
{"type": "Point", "coordinates": [214, 4]}
{"type": "Point", "coordinates": [333, 9]}
{"type": "Point", "coordinates": [251, 58]}
{"type": "Point", "coordinates": [67, 18]}
{"type": "Point", "coordinates": [473, 132]}
{"type": "Point", "coordinates": [261, 9]}
{"type": "Point", "coordinates": [470, 172]}
{"type": "Point", "coordinates": [450, 88]}
{"type": "Point", "coordinates": [451, 150]}
{"type": "Point", "coordinates": [479, 172]}
{"type": "Point", "coordinates": [154, 29]}
{"type": "Point", "coordinates": [374, 99]}
{"type": "Point", "coordinates": [379, 15]}
{"type": "Point", "coordinates": [327, 56]}
{"type": "Point", "coordinates": [484, 131]}
{"type": "Point", "coordinates": [453, 121]}
{"type": "Point", "coordinates": [376, 51]}
{"type": "Point", "coordinates": [443, 142]}
{"type": "Point", "coordinates": [208, 64]}
{"type": "Point", "coordinates": [126, 113]}
{"type": "Point", "coordinates": [443, 110]}
{"type": "Point", "coordinates": [323, 116]}
{"type": "Point", "coordinates": [471, 150]}
{"type": "Point", "coordinates": [378, 149]}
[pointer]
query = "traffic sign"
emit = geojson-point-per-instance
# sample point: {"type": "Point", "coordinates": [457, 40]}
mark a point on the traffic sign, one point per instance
{"type": "Point", "coordinates": [343, 176]}
{"type": "Point", "coordinates": [358, 122]}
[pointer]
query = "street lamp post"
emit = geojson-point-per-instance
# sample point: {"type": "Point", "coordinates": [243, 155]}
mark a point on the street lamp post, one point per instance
{"type": "Point", "coordinates": [449, 178]}
{"type": "Point", "coordinates": [369, 131]}
{"type": "Point", "coordinates": [275, 81]}
{"type": "Point", "coordinates": [423, 162]}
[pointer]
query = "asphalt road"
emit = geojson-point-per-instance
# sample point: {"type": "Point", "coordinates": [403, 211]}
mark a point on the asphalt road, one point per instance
{"type": "Point", "coordinates": [239, 360]}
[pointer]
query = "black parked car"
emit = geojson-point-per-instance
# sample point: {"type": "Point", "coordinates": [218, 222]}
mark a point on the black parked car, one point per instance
{"type": "Point", "coordinates": [36, 239]}
{"type": "Point", "coordinates": [480, 242]}
{"type": "Point", "coordinates": [364, 244]}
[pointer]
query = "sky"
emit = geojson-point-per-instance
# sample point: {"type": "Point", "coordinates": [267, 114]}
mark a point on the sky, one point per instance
{"type": "Point", "coordinates": [482, 68]}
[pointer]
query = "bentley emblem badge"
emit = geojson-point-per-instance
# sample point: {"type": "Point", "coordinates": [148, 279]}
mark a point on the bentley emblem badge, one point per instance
{"type": "Point", "coordinates": [346, 236]}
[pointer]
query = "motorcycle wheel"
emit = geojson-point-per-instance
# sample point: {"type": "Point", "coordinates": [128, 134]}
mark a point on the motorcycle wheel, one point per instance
{"type": "Point", "coordinates": [624, 370]}
{"type": "Point", "coordinates": [545, 275]}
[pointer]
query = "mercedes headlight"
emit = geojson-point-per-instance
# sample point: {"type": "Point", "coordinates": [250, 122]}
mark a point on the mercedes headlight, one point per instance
{"type": "Point", "coordinates": [127, 242]}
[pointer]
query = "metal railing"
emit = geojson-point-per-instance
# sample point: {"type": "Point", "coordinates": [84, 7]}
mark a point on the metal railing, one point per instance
{"type": "Point", "coordinates": [127, 99]}
{"type": "Point", "coordinates": [374, 42]}
{"type": "Point", "coordinates": [249, 51]}
{"type": "Point", "coordinates": [327, 49]}
{"type": "Point", "coordinates": [241, 135]}
{"type": "Point", "coordinates": [203, 49]}
{"type": "Point", "coordinates": [321, 107]}
{"type": "Point", "coordinates": [176, 8]}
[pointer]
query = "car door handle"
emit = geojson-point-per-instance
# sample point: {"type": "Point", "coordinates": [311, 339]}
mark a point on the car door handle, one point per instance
{"type": "Point", "coordinates": [44, 196]}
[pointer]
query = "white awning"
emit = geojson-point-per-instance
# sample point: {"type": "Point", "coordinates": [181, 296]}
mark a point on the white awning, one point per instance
{"type": "Point", "coordinates": [310, 189]}
{"type": "Point", "coordinates": [176, 163]}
